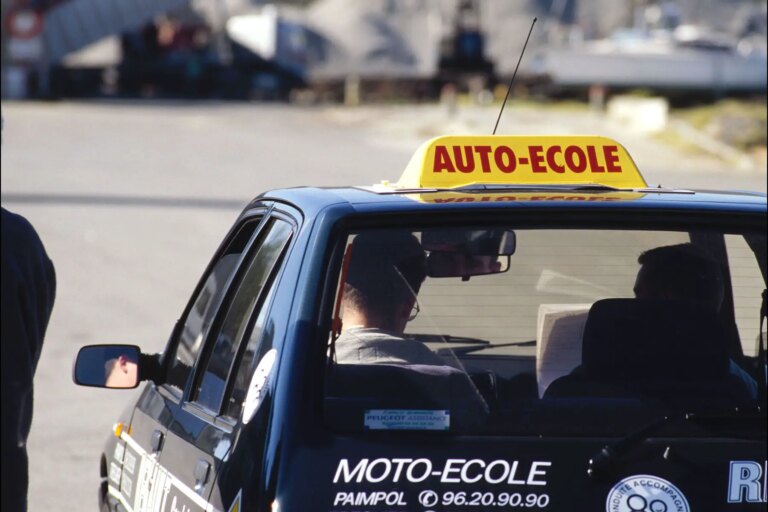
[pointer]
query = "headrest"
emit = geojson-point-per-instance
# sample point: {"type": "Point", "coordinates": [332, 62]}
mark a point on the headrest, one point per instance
{"type": "Point", "coordinates": [409, 386]}
{"type": "Point", "coordinates": [642, 339]}
{"type": "Point", "coordinates": [391, 379]}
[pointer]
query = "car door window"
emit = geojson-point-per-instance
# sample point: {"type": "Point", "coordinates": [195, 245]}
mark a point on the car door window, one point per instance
{"type": "Point", "coordinates": [211, 384]}
{"type": "Point", "coordinates": [203, 310]}
{"type": "Point", "coordinates": [748, 286]}
{"type": "Point", "coordinates": [259, 342]}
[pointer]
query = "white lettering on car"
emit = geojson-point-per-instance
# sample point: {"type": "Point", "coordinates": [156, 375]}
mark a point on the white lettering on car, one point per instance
{"type": "Point", "coordinates": [453, 471]}
{"type": "Point", "coordinates": [369, 498]}
{"type": "Point", "coordinates": [747, 482]}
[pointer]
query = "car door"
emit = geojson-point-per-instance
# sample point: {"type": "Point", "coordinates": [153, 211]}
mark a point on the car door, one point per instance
{"type": "Point", "coordinates": [199, 436]}
{"type": "Point", "coordinates": [139, 481]}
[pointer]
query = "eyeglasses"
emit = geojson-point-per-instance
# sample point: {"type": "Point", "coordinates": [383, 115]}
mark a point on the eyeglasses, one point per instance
{"type": "Point", "coordinates": [415, 311]}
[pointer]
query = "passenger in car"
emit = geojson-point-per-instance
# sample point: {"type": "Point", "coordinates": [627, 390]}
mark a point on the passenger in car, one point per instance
{"type": "Point", "coordinates": [682, 272]}
{"type": "Point", "coordinates": [385, 274]}
{"type": "Point", "coordinates": [667, 344]}
{"type": "Point", "coordinates": [679, 272]}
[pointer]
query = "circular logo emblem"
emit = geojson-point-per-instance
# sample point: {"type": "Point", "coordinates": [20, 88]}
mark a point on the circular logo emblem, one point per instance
{"type": "Point", "coordinates": [646, 493]}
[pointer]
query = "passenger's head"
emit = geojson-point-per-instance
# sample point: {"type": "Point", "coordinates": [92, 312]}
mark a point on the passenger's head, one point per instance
{"type": "Point", "coordinates": [385, 273]}
{"type": "Point", "coordinates": [679, 272]}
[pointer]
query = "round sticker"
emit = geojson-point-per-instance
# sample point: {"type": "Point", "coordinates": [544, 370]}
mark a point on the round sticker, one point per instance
{"type": "Point", "coordinates": [258, 385]}
{"type": "Point", "coordinates": [646, 493]}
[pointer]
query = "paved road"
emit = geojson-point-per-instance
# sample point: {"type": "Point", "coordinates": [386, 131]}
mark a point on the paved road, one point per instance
{"type": "Point", "coordinates": [131, 200]}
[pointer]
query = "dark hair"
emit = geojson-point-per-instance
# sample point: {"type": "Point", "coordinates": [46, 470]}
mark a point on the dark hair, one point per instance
{"type": "Point", "coordinates": [385, 269]}
{"type": "Point", "coordinates": [682, 272]}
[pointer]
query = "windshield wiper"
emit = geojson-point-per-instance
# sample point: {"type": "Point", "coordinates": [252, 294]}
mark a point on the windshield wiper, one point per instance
{"type": "Point", "coordinates": [589, 187]}
{"type": "Point", "coordinates": [608, 460]}
{"type": "Point", "coordinates": [468, 350]}
{"type": "Point", "coordinates": [474, 344]}
{"type": "Point", "coordinates": [447, 338]}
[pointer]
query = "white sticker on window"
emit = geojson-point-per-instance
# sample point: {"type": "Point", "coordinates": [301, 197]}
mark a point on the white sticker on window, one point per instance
{"type": "Point", "coordinates": [393, 419]}
{"type": "Point", "coordinates": [258, 385]}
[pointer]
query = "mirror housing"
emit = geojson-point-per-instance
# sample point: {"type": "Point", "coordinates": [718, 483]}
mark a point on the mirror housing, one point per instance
{"type": "Point", "coordinates": [474, 242]}
{"type": "Point", "coordinates": [451, 264]}
{"type": "Point", "coordinates": [108, 366]}
{"type": "Point", "coordinates": [463, 252]}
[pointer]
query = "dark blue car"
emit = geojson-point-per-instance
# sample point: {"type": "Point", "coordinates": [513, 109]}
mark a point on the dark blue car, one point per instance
{"type": "Point", "coordinates": [518, 323]}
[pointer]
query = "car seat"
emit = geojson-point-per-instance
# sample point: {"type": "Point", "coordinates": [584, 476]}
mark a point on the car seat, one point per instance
{"type": "Point", "coordinates": [668, 350]}
{"type": "Point", "coordinates": [352, 389]}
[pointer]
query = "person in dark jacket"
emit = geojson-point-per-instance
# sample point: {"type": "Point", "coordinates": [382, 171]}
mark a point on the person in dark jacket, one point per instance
{"type": "Point", "coordinates": [28, 290]}
{"type": "Point", "coordinates": [683, 272]}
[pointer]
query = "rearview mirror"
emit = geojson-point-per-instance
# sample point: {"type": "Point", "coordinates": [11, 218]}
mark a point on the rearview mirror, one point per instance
{"type": "Point", "coordinates": [107, 366]}
{"type": "Point", "coordinates": [470, 241]}
{"type": "Point", "coordinates": [449, 264]}
{"type": "Point", "coordinates": [465, 252]}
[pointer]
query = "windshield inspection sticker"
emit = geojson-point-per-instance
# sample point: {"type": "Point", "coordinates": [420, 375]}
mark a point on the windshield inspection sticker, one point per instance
{"type": "Point", "coordinates": [258, 385]}
{"type": "Point", "coordinates": [393, 419]}
{"type": "Point", "coordinates": [646, 493]}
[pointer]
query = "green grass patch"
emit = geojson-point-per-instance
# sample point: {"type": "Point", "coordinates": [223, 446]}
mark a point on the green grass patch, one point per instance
{"type": "Point", "coordinates": [671, 137]}
{"type": "Point", "coordinates": [739, 123]}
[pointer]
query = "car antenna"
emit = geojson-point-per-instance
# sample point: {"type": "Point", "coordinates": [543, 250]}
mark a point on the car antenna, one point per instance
{"type": "Point", "coordinates": [513, 76]}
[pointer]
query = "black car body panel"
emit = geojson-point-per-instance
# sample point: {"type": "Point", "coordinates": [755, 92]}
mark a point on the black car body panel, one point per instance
{"type": "Point", "coordinates": [283, 451]}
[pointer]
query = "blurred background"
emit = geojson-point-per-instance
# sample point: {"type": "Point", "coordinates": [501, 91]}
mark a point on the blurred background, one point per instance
{"type": "Point", "coordinates": [333, 50]}
{"type": "Point", "coordinates": [693, 71]}
{"type": "Point", "coordinates": [136, 130]}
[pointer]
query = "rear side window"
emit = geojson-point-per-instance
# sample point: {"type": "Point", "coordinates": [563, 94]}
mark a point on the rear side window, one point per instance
{"type": "Point", "coordinates": [225, 340]}
{"type": "Point", "coordinates": [258, 344]}
{"type": "Point", "coordinates": [203, 310]}
{"type": "Point", "coordinates": [748, 286]}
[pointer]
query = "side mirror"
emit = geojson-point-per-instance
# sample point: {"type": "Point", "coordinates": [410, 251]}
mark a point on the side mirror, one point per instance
{"type": "Point", "coordinates": [107, 366]}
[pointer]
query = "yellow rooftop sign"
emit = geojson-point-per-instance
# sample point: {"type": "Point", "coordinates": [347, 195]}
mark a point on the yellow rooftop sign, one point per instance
{"type": "Point", "coordinates": [455, 161]}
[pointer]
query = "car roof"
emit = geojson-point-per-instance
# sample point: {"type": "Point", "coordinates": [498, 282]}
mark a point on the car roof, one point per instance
{"type": "Point", "coordinates": [311, 200]}
{"type": "Point", "coordinates": [507, 172]}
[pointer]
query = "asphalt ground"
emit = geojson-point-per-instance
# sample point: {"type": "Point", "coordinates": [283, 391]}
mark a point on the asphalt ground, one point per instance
{"type": "Point", "coordinates": [132, 199]}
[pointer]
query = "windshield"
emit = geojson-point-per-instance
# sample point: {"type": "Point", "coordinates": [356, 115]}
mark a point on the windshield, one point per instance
{"type": "Point", "coordinates": [563, 331]}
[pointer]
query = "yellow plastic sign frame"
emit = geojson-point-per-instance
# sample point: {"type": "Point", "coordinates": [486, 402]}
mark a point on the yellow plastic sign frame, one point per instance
{"type": "Point", "coordinates": [525, 197]}
{"type": "Point", "coordinates": [454, 161]}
